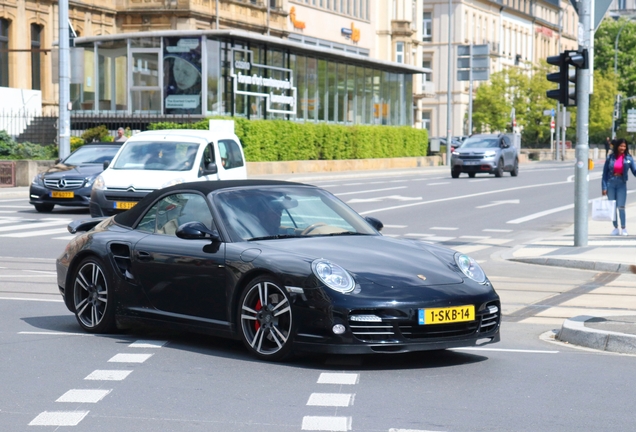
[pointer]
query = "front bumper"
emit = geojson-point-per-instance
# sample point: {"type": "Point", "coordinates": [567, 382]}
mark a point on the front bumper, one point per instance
{"type": "Point", "coordinates": [104, 202]}
{"type": "Point", "coordinates": [488, 166]}
{"type": "Point", "coordinates": [398, 331]}
{"type": "Point", "coordinates": [42, 195]}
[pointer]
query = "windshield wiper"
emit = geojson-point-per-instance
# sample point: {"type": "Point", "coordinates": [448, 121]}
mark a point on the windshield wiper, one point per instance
{"type": "Point", "coordinates": [273, 237]}
{"type": "Point", "coordinates": [346, 233]}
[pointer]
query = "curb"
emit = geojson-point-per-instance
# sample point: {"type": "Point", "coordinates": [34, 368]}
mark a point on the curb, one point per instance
{"type": "Point", "coordinates": [581, 265]}
{"type": "Point", "coordinates": [573, 331]}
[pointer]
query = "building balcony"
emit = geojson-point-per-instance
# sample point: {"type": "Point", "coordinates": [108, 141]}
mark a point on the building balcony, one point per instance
{"type": "Point", "coordinates": [401, 28]}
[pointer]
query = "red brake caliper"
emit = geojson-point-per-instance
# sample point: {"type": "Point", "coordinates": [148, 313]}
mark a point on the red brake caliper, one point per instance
{"type": "Point", "coordinates": [258, 307]}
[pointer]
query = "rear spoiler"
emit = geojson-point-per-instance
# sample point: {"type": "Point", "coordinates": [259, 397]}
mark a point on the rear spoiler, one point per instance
{"type": "Point", "coordinates": [82, 225]}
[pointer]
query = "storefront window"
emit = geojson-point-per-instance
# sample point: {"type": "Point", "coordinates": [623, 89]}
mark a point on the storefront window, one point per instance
{"type": "Point", "coordinates": [332, 92]}
{"type": "Point", "coordinates": [322, 89]}
{"type": "Point", "coordinates": [215, 83]}
{"type": "Point", "coordinates": [147, 101]}
{"type": "Point", "coordinates": [182, 75]}
{"type": "Point", "coordinates": [377, 97]}
{"type": "Point", "coordinates": [312, 88]}
{"type": "Point", "coordinates": [351, 88]}
{"type": "Point", "coordinates": [301, 85]}
{"type": "Point", "coordinates": [385, 101]}
{"type": "Point", "coordinates": [360, 96]}
{"type": "Point", "coordinates": [368, 96]}
{"type": "Point", "coordinates": [145, 42]}
{"type": "Point", "coordinates": [342, 92]}
{"type": "Point", "coordinates": [112, 73]}
{"type": "Point", "coordinates": [87, 93]}
{"type": "Point", "coordinates": [145, 70]}
{"type": "Point", "coordinates": [408, 98]}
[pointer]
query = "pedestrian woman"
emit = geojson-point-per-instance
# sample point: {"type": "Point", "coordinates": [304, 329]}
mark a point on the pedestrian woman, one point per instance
{"type": "Point", "coordinates": [615, 173]}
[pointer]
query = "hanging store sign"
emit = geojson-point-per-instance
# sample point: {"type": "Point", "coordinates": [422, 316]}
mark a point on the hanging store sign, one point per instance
{"type": "Point", "coordinates": [182, 75]}
{"type": "Point", "coordinates": [275, 84]}
{"type": "Point", "coordinates": [352, 33]}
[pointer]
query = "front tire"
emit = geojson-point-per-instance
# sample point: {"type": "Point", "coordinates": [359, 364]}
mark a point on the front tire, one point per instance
{"type": "Point", "coordinates": [93, 299]}
{"type": "Point", "coordinates": [500, 168]}
{"type": "Point", "coordinates": [455, 172]}
{"type": "Point", "coordinates": [265, 320]}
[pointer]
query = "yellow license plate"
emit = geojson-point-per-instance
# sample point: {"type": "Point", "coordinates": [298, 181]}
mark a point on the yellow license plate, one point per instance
{"type": "Point", "coordinates": [124, 205]}
{"type": "Point", "coordinates": [446, 315]}
{"type": "Point", "coordinates": [60, 194]}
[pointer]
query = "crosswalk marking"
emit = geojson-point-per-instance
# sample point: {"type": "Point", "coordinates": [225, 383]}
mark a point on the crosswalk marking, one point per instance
{"type": "Point", "coordinates": [36, 233]}
{"type": "Point", "coordinates": [16, 227]}
{"type": "Point", "coordinates": [25, 226]}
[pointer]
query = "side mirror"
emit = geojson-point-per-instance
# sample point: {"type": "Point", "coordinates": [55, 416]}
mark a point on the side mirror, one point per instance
{"type": "Point", "coordinates": [375, 223]}
{"type": "Point", "coordinates": [196, 231]}
{"type": "Point", "coordinates": [106, 163]}
{"type": "Point", "coordinates": [503, 145]}
{"type": "Point", "coordinates": [210, 168]}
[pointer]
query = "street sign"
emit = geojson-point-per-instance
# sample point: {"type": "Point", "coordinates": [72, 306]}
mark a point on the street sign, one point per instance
{"type": "Point", "coordinates": [549, 112]}
{"type": "Point", "coordinates": [478, 75]}
{"type": "Point", "coordinates": [631, 120]}
{"type": "Point", "coordinates": [552, 125]}
{"type": "Point", "coordinates": [478, 62]}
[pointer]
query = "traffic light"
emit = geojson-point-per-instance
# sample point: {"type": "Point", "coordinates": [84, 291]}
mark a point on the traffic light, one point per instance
{"type": "Point", "coordinates": [569, 63]}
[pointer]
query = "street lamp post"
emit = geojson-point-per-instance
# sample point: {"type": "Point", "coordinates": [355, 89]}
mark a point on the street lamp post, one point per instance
{"type": "Point", "coordinates": [616, 72]}
{"type": "Point", "coordinates": [449, 137]}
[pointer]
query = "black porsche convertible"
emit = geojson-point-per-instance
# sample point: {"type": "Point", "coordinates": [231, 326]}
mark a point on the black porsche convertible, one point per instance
{"type": "Point", "coordinates": [283, 266]}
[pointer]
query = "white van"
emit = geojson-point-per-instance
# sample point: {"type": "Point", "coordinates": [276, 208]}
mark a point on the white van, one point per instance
{"type": "Point", "coordinates": [156, 159]}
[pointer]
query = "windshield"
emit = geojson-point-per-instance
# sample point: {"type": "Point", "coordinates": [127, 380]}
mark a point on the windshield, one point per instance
{"type": "Point", "coordinates": [283, 212]}
{"type": "Point", "coordinates": [480, 142]}
{"type": "Point", "coordinates": [157, 156]}
{"type": "Point", "coordinates": [91, 155]}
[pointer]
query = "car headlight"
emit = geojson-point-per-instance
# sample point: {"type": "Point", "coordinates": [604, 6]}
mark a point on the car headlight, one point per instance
{"type": "Point", "coordinates": [99, 183]}
{"type": "Point", "coordinates": [455, 153]}
{"type": "Point", "coordinates": [332, 275]}
{"type": "Point", "coordinates": [173, 182]}
{"type": "Point", "coordinates": [470, 268]}
{"type": "Point", "coordinates": [89, 181]}
{"type": "Point", "coordinates": [490, 154]}
{"type": "Point", "coordinates": [37, 180]}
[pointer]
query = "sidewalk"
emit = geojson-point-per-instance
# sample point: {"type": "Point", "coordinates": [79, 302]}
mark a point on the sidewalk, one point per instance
{"type": "Point", "coordinates": [616, 331]}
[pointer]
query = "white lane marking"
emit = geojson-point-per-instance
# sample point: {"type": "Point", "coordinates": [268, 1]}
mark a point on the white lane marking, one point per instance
{"type": "Point", "coordinates": [474, 237]}
{"type": "Point", "coordinates": [83, 396]}
{"type": "Point", "coordinates": [540, 214]}
{"type": "Point", "coordinates": [352, 184]}
{"type": "Point", "coordinates": [469, 249]}
{"type": "Point", "coordinates": [418, 235]}
{"type": "Point", "coordinates": [411, 430]}
{"type": "Point", "coordinates": [8, 221]}
{"type": "Point", "coordinates": [24, 226]}
{"type": "Point", "coordinates": [67, 238]}
{"type": "Point", "coordinates": [370, 191]}
{"type": "Point", "coordinates": [41, 271]}
{"type": "Point", "coordinates": [444, 228]}
{"type": "Point", "coordinates": [497, 230]}
{"type": "Point", "coordinates": [11, 200]}
{"type": "Point", "coordinates": [31, 299]}
{"type": "Point", "coordinates": [36, 233]}
{"type": "Point", "coordinates": [438, 239]}
{"type": "Point", "coordinates": [28, 276]}
{"type": "Point", "coordinates": [398, 181]}
{"type": "Point", "coordinates": [319, 423]}
{"type": "Point", "coordinates": [504, 350]}
{"type": "Point", "coordinates": [395, 226]}
{"type": "Point", "coordinates": [54, 333]}
{"type": "Point", "coordinates": [16, 206]}
{"type": "Point", "coordinates": [59, 418]}
{"type": "Point", "coordinates": [330, 399]}
{"type": "Point", "coordinates": [147, 344]}
{"type": "Point", "coordinates": [338, 378]}
{"type": "Point", "coordinates": [478, 180]}
{"type": "Point", "coordinates": [129, 358]}
{"type": "Point", "coordinates": [392, 197]}
{"type": "Point", "coordinates": [108, 375]}
{"type": "Point", "coordinates": [462, 197]}
{"type": "Point", "coordinates": [435, 184]}
{"type": "Point", "coordinates": [496, 203]}
{"type": "Point", "coordinates": [8, 211]}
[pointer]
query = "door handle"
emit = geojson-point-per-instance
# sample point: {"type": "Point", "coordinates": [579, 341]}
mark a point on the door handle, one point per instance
{"type": "Point", "coordinates": [144, 256]}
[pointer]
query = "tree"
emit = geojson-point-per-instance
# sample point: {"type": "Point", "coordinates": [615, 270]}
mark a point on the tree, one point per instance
{"type": "Point", "coordinates": [602, 106]}
{"type": "Point", "coordinates": [604, 40]}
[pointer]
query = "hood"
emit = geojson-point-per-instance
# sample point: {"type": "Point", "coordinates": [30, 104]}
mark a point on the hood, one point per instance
{"type": "Point", "coordinates": [62, 170]}
{"type": "Point", "coordinates": [377, 259]}
{"type": "Point", "coordinates": [143, 179]}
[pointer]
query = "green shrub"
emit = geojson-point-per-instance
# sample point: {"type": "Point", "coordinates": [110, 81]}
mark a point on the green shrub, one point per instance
{"type": "Point", "coordinates": [96, 134]}
{"type": "Point", "coordinates": [9, 149]}
{"type": "Point", "coordinates": [76, 142]}
{"type": "Point", "coordinates": [283, 140]}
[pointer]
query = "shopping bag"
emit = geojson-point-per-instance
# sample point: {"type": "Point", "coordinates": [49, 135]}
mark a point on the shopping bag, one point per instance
{"type": "Point", "coordinates": [604, 210]}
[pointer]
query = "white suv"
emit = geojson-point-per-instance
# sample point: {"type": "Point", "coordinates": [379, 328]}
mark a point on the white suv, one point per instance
{"type": "Point", "coordinates": [156, 159]}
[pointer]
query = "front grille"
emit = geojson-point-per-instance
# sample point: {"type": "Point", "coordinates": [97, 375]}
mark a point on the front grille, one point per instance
{"type": "Point", "coordinates": [372, 331]}
{"type": "Point", "coordinates": [490, 319]}
{"type": "Point", "coordinates": [471, 157]}
{"type": "Point", "coordinates": [64, 184]}
{"type": "Point", "coordinates": [416, 331]}
{"type": "Point", "coordinates": [113, 197]}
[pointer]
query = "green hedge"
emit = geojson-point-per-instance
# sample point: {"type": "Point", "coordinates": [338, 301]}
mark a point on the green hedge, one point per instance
{"type": "Point", "coordinates": [9, 149]}
{"type": "Point", "coordinates": [282, 140]}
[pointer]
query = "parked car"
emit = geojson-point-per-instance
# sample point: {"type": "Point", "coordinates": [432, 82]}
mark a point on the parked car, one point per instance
{"type": "Point", "coordinates": [282, 266]}
{"type": "Point", "coordinates": [69, 182]}
{"type": "Point", "coordinates": [485, 153]}
{"type": "Point", "coordinates": [156, 159]}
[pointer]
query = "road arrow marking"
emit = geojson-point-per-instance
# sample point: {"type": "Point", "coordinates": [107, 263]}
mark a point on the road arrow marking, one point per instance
{"type": "Point", "coordinates": [496, 203]}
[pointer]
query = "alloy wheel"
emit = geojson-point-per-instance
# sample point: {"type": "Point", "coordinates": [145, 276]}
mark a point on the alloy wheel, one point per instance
{"type": "Point", "coordinates": [266, 320]}
{"type": "Point", "coordinates": [90, 295]}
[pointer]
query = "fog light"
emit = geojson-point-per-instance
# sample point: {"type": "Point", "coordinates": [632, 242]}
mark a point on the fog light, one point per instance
{"type": "Point", "coordinates": [338, 329]}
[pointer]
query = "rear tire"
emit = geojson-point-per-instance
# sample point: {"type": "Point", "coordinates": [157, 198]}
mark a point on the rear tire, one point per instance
{"type": "Point", "coordinates": [500, 168]}
{"type": "Point", "coordinates": [515, 169]}
{"type": "Point", "coordinates": [93, 298]}
{"type": "Point", "coordinates": [44, 208]}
